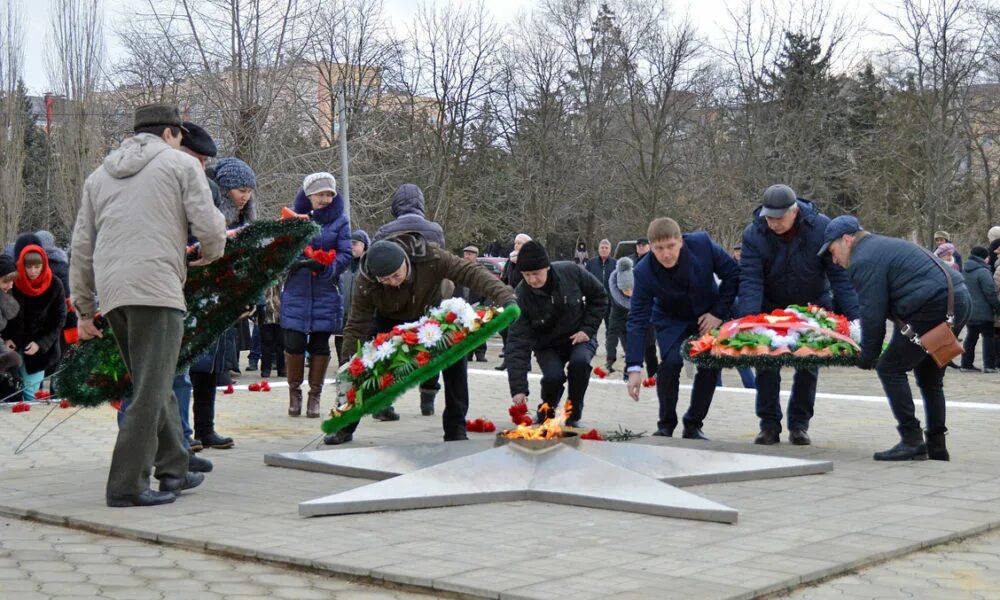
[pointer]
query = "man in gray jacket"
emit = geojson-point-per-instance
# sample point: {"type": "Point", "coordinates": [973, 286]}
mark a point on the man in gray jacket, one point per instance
{"type": "Point", "coordinates": [128, 251]}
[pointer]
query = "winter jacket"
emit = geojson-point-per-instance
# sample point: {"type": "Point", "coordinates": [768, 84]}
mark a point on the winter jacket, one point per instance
{"type": "Point", "coordinates": [347, 278]}
{"type": "Point", "coordinates": [9, 308]}
{"type": "Point", "coordinates": [898, 279]}
{"type": "Point", "coordinates": [429, 266]}
{"type": "Point", "coordinates": [673, 299]}
{"type": "Point", "coordinates": [216, 358]}
{"type": "Point", "coordinates": [511, 274]}
{"type": "Point", "coordinates": [776, 271]}
{"type": "Point", "coordinates": [982, 290]}
{"type": "Point", "coordinates": [409, 215]}
{"type": "Point", "coordinates": [312, 302]}
{"type": "Point", "coordinates": [578, 302]}
{"type": "Point", "coordinates": [602, 270]}
{"type": "Point", "coordinates": [39, 320]}
{"type": "Point", "coordinates": [131, 231]}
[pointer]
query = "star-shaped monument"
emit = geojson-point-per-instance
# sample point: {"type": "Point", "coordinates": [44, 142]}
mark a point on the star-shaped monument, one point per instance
{"type": "Point", "coordinates": [628, 477]}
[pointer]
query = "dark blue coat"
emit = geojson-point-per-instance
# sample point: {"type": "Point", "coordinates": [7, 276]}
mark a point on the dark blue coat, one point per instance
{"type": "Point", "coordinates": [898, 279]}
{"type": "Point", "coordinates": [602, 270]}
{"type": "Point", "coordinates": [673, 307]}
{"type": "Point", "coordinates": [312, 302]}
{"type": "Point", "coordinates": [982, 290]}
{"type": "Point", "coordinates": [409, 215]}
{"type": "Point", "coordinates": [777, 271]}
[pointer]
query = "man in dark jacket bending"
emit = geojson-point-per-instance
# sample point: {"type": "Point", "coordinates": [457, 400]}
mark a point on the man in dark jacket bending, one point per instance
{"type": "Point", "coordinates": [561, 308]}
{"type": "Point", "coordinates": [900, 280]}
{"type": "Point", "coordinates": [399, 280]}
{"type": "Point", "coordinates": [779, 267]}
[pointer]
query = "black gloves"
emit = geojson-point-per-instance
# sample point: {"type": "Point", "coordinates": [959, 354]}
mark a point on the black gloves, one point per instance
{"type": "Point", "coordinates": [867, 363]}
{"type": "Point", "coordinates": [307, 263]}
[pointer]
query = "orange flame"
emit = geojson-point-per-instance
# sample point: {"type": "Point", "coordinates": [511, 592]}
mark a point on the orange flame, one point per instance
{"type": "Point", "coordinates": [549, 430]}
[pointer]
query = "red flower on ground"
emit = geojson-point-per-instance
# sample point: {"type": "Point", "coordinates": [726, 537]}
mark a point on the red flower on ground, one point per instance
{"type": "Point", "coordinates": [523, 420]}
{"type": "Point", "coordinates": [229, 389]}
{"type": "Point", "coordinates": [385, 381]}
{"type": "Point", "coordinates": [489, 427]}
{"type": "Point", "coordinates": [265, 386]}
{"type": "Point", "coordinates": [254, 387]}
{"type": "Point", "coordinates": [357, 368]}
{"type": "Point", "coordinates": [593, 434]}
{"type": "Point", "coordinates": [64, 404]}
{"type": "Point", "coordinates": [422, 358]}
{"type": "Point", "coordinates": [42, 395]}
{"type": "Point", "coordinates": [600, 372]}
{"type": "Point", "coordinates": [20, 407]}
{"type": "Point", "coordinates": [410, 338]}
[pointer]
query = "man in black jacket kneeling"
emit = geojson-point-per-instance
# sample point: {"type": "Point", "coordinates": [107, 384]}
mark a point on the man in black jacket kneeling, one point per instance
{"type": "Point", "coordinates": [562, 306]}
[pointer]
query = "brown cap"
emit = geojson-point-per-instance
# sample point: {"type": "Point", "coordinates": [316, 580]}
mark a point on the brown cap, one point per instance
{"type": "Point", "coordinates": [157, 114]}
{"type": "Point", "coordinates": [942, 234]}
{"type": "Point", "coordinates": [471, 249]}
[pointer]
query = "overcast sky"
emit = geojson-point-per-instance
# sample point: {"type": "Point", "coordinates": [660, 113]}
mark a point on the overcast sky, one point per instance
{"type": "Point", "coordinates": [709, 17]}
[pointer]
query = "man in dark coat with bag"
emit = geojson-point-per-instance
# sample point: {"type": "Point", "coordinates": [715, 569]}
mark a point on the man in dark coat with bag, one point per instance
{"type": "Point", "coordinates": [900, 280]}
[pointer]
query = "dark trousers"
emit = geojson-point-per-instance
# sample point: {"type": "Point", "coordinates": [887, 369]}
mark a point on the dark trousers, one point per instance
{"type": "Point", "coordinates": [203, 407]}
{"type": "Point", "coordinates": [800, 404]}
{"type": "Point", "coordinates": [902, 356]}
{"type": "Point", "coordinates": [619, 325]}
{"type": "Point", "coordinates": [272, 347]}
{"type": "Point", "coordinates": [972, 333]}
{"type": "Point", "coordinates": [255, 345]}
{"type": "Point", "coordinates": [315, 342]}
{"type": "Point", "coordinates": [612, 334]}
{"type": "Point", "coordinates": [456, 387]}
{"type": "Point", "coordinates": [668, 381]}
{"type": "Point", "coordinates": [567, 363]}
{"type": "Point", "coordinates": [150, 435]}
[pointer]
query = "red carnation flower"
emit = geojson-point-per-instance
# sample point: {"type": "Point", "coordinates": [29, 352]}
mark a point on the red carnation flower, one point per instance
{"type": "Point", "coordinates": [265, 386]}
{"type": "Point", "coordinates": [489, 427]}
{"type": "Point", "coordinates": [457, 336]}
{"type": "Point", "coordinates": [229, 389]}
{"type": "Point", "coordinates": [381, 338]}
{"type": "Point", "coordinates": [422, 358]}
{"type": "Point", "coordinates": [352, 395]}
{"type": "Point", "coordinates": [64, 404]}
{"type": "Point", "coordinates": [517, 410]}
{"type": "Point", "coordinates": [600, 372]}
{"type": "Point", "coordinates": [254, 387]}
{"type": "Point", "coordinates": [593, 434]}
{"type": "Point", "coordinates": [20, 407]}
{"type": "Point", "coordinates": [450, 317]}
{"type": "Point", "coordinates": [385, 381]}
{"type": "Point", "coordinates": [116, 404]}
{"type": "Point", "coordinates": [524, 420]}
{"type": "Point", "coordinates": [42, 395]}
{"type": "Point", "coordinates": [396, 330]}
{"type": "Point", "coordinates": [357, 368]}
{"type": "Point", "coordinates": [649, 382]}
{"type": "Point", "coordinates": [410, 338]}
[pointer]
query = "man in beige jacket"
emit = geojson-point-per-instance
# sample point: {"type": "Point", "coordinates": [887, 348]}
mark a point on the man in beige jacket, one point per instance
{"type": "Point", "coordinates": [128, 252]}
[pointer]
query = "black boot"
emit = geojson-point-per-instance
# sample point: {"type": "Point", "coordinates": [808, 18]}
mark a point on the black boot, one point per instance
{"type": "Point", "coordinates": [903, 451]}
{"type": "Point", "coordinates": [936, 448]}
{"type": "Point", "coordinates": [767, 437]}
{"type": "Point", "coordinates": [338, 437]}
{"type": "Point", "coordinates": [427, 402]}
{"type": "Point", "coordinates": [214, 440]}
{"type": "Point", "coordinates": [693, 433]}
{"type": "Point", "coordinates": [197, 464]}
{"type": "Point", "coordinates": [388, 414]}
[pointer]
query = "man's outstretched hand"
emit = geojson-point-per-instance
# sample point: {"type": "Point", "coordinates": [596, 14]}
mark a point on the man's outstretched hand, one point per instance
{"type": "Point", "coordinates": [634, 384]}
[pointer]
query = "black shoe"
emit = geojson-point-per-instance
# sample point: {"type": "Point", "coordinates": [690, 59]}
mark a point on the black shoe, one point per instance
{"type": "Point", "coordinates": [214, 440]}
{"type": "Point", "coordinates": [388, 414]}
{"type": "Point", "coordinates": [951, 365]}
{"type": "Point", "coordinates": [177, 484]}
{"type": "Point", "coordinates": [481, 359]}
{"type": "Point", "coordinates": [799, 437]}
{"type": "Point", "coordinates": [903, 451]}
{"type": "Point", "coordinates": [501, 367]}
{"type": "Point", "coordinates": [146, 497]}
{"type": "Point", "coordinates": [970, 370]}
{"type": "Point", "coordinates": [501, 355]}
{"type": "Point", "coordinates": [252, 365]}
{"type": "Point", "coordinates": [693, 433]}
{"type": "Point", "coordinates": [265, 374]}
{"type": "Point", "coordinates": [664, 432]}
{"type": "Point", "coordinates": [456, 437]}
{"type": "Point", "coordinates": [282, 373]}
{"type": "Point", "coordinates": [195, 445]}
{"type": "Point", "coordinates": [427, 402]}
{"type": "Point", "coordinates": [989, 370]}
{"type": "Point", "coordinates": [936, 447]}
{"type": "Point", "coordinates": [574, 424]}
{"type": "Point", "coordinates": [197, 464]}
{"type": "Point", "coordinates": [767, 437]}
{"type": "Point", "coordinates": [338, 437]}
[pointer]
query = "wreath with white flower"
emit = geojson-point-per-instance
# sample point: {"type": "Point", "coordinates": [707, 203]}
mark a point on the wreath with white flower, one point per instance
{"type": "Point", "coordinates": [397, 360]}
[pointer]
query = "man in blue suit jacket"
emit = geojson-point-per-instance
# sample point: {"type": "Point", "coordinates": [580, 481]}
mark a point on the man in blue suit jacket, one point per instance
{"type": "Point", "coordinates": [676, 291]}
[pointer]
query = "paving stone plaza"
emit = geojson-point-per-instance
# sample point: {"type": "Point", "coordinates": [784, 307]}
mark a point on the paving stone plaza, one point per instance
{"type": "Point", "coordinates": [862, 530]}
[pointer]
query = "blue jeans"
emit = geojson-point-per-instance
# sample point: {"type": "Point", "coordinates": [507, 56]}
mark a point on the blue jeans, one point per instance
{"type": "Point", "coordinates": [668, 381]}
{"type": "Point", "coordinates": [746, 375]}
{"type": "Point", "coordinates": [255, 345]}
{"type": "Point", "coordinates": [800, 404]}
{"type": "Point", "coordinates": [182, 392]}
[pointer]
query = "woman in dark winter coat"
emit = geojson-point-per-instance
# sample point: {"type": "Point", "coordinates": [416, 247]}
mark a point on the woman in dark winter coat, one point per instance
{"type": "Point", "coordinates": [36, 330]}
{"type": "Point", "coordinates": [311, 307]}
{"type": "Point", "coordinates": [8, 310]}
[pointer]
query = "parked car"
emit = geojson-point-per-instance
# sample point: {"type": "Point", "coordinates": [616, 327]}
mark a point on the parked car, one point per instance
{"type": "Point", "coordinates": [625, 248]}
{"type": "Point", "coordinates": [493, 265]}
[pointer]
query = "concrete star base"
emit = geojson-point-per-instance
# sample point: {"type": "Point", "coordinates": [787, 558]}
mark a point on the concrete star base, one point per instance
{"type": "Point", "coordinates": [627, 477]}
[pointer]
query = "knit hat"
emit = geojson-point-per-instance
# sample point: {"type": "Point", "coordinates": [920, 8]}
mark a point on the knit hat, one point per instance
{"type": "Point", "coordinates": [23, 241]}
{"type": "Point", "coordinates": [232, 173]}
{"type": "Point", "coordinates": [945, 248]}
{"type": "Point", "coordinates": [626, 280]}
{"type": "Point", "coordinates": [979, 252]}
{"type": "Point", "coordinates": [994, 234]}
{"type": "Point", "coordinates": [360, 235]}
{"type": "Point", "coordinates": [384, 258]}
{"type": "Point", "coordinates": [532, 257]}
{"type": "Point", "coordinates": [319, 182]}
{"type": "Point", "coordinates": [7, 265]}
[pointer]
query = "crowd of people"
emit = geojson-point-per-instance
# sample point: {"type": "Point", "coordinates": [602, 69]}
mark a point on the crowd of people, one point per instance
{"type": "Point", "coordinates": [130, 264]}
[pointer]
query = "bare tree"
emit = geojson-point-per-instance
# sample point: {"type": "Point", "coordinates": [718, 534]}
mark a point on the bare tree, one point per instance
{"type": "Point", "coordinates": [75, 58]}
{"type": "Point", "coordinates": [12, 121]}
